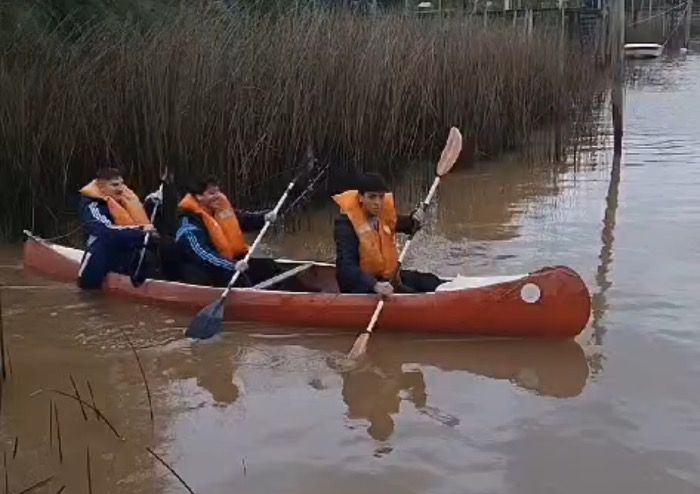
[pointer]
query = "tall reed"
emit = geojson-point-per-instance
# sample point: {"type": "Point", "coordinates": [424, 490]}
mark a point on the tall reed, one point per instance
{"type": "Point", "coordinates": [243, 95]}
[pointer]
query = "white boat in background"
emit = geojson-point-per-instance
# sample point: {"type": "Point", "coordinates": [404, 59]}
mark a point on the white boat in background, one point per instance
{"type": "Point", "coordinates": [643, 50]}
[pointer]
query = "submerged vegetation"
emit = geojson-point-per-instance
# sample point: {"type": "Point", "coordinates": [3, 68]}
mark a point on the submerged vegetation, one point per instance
{"type": "Point", "coordinates": [203, 87]}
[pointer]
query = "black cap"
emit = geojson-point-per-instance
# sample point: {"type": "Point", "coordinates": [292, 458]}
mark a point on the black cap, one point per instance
{"type": "Point", "coordinates": [371, 182]}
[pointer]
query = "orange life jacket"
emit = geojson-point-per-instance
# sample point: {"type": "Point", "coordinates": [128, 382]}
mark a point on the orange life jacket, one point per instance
{"type": "Point", "coordinates": [126, 211]}
{"type": "Point", "coordinates": [222, 225]}
{"type": "Point", "coordinates": [378, 254]}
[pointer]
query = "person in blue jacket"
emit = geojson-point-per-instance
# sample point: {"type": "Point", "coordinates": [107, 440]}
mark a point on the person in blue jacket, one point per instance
{"type": "Point", "coordinates": [210, 237]}
{"type": "Point", "coordinates": [116, 224]}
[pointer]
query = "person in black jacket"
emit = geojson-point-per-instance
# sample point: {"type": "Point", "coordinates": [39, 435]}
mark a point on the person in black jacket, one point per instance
{"type": "Point", "coordinates": [365, 238]}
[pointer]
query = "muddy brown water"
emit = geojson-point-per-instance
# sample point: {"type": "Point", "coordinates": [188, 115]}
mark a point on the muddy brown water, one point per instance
{"type": "Point", "coordinates": [259, 410]}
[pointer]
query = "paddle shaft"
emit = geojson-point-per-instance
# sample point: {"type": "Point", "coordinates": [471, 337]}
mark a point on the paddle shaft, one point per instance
{"type": "Point", "coordinates": [424, 205]}
{"type": "Point", "coordinates": [264, 229]}
{"type": "Point", "coordinates": [309, 188]}
{"type": "Point", "coordinates": [148, 234]}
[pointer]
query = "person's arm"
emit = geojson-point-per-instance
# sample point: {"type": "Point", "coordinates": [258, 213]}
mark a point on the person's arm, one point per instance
{"type": "Point", "coordinates": [410, 223]}
{"type": "Point", "coordinates": [406, 224]}
{"type": "Point", "coordinates": [99, 225]}
{"type": "Point", "coordinates": [250, 222]}
{"type": "Point", "coordinates": [195, 240]}
{"type": "Point", "coordinates": [347, 247]}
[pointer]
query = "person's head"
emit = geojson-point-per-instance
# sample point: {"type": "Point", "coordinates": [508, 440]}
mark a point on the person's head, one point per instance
{"type": "Point", "coordinates": [372, 188]}
{"type": "Point", "coordinates": [206, 190]}
{"type": "Point", "coordinates": [110, 181]}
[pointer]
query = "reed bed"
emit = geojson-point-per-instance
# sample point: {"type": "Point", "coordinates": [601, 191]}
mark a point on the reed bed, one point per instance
{"type": "Point", "coordinates": [242, 95]}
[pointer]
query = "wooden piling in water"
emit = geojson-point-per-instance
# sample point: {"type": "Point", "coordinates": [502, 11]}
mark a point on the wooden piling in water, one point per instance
{"type": "Point", "coordinates": [617, 20]}
{"type": "Point", "coordinates": [688, 22]}
{"type": "Point", "coordinates": [3, 356]}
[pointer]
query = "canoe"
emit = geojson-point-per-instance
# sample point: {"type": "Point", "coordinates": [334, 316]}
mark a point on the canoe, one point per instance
{"type": "Point", "coordinates": [552, 302]}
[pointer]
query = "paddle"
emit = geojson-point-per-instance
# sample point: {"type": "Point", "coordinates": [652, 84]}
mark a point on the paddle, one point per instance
{"type": "Point", "coordinates": [449, 156]}
{"type": "Point", "coordinates": [209, 320]}
{"type": "Point", "coordinates": [136, 279]}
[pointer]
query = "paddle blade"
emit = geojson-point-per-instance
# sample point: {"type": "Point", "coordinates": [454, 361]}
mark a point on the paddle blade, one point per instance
{"type": "Point", "coordinates": [208, 322]}
{"type": "Point", "coordinates": [359, 348]}
{"type": "Point", "coordinates": [450, 152]}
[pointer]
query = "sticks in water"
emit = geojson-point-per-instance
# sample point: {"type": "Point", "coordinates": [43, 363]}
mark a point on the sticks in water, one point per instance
{"type": "Point", "coordinates": [162, 461]}
{"type": "Point", "coordinates": [7, 474]}
{"type": "Point", "coordinates": [77, 395]}
{"type": "Point", "coordinates": [51, 425]}
{"type": "Point", "coordinates": [89, 473]}
{"type": "Point", "coordinates": [37, 485]}
{"type": "Point", "coordinates": [92, 398]}
{"type": "Point", "coordinates": [143, 374]}
{"type": "Point", "coordinates": [58, 433]}
{"type": "Point", "coordinates": [97, 410]}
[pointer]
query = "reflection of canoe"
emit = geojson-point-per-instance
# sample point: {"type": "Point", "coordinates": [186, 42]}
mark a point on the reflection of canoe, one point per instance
{"type": "Point", "coordinates": [552, 302]}
{"type": "Point", "coordinates": [550, 368]}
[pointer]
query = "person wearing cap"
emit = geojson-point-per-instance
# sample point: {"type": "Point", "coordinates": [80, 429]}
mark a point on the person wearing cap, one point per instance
{"type": "Point", "coordinates": [367, 259]}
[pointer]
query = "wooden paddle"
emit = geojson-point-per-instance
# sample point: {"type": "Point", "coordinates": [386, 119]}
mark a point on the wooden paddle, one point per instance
{"type": "Point", "coordinates": [449, 156]}
{"type": "Point", "coordinates": [209, 320]}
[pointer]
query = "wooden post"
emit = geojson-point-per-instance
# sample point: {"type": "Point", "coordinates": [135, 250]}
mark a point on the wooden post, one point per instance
{"type": "Point", "coordinates": [3, 354]}
{"type": "Point", "coordinates": [618, 60]}
{"type": "Point", "coordinates": [562, 28]}
{"type": "Point", "coordinates": [688, 22]}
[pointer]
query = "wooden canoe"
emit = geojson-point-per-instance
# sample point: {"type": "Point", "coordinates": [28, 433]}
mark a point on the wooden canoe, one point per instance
{"type": "Point", "coordinates": [549, 303]}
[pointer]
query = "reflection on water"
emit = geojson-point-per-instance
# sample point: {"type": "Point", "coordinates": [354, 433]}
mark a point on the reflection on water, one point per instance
{"type": "Point", "coordinates": [607, 238]}
{"type": "Point", "coordinates": [260, 410]}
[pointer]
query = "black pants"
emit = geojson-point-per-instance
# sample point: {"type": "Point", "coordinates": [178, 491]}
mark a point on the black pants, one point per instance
{"type": "Point", "coordinates": [417, 282]}
{"type": "Point", "coordinates": [113, 255]}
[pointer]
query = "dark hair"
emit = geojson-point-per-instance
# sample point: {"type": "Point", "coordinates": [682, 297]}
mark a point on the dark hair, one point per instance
{"type": "Point", "coordinates": [199, 184]}
{"type": "Point", "coordinates": [108, 173]}
{"type": "Point", "coordinates": [371, 182]}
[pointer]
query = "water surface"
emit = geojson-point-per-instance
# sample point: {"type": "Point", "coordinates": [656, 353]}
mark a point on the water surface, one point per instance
{"type": "Point", "coordinates": [258, 410]}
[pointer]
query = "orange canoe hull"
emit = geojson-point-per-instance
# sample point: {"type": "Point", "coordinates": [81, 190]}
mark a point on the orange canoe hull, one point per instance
{"type": "Point", "coordinates": [494, 310]}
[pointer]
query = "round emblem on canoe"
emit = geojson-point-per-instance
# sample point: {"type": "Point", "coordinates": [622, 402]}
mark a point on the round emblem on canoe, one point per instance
{"type": "Point", "coordinates": [530, 293]}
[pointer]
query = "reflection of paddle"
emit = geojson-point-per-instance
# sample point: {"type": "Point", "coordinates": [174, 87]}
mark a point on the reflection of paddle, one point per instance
{"type": "Point", "coordinates": [449, 156]}
{"type": "Point", "coordinates": [209, 320]}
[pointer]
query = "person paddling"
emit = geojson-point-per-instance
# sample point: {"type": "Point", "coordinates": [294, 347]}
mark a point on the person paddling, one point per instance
{"type": "Point", "coordinates": [116, 223]}
{"type": "Point", "coordinates": [210, 236]}
{"type": "Point", "coordinates": [365, 238]}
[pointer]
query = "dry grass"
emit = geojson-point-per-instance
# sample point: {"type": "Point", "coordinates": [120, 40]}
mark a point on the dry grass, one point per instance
{"type": "Point", "coordinates": [243, 96]}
